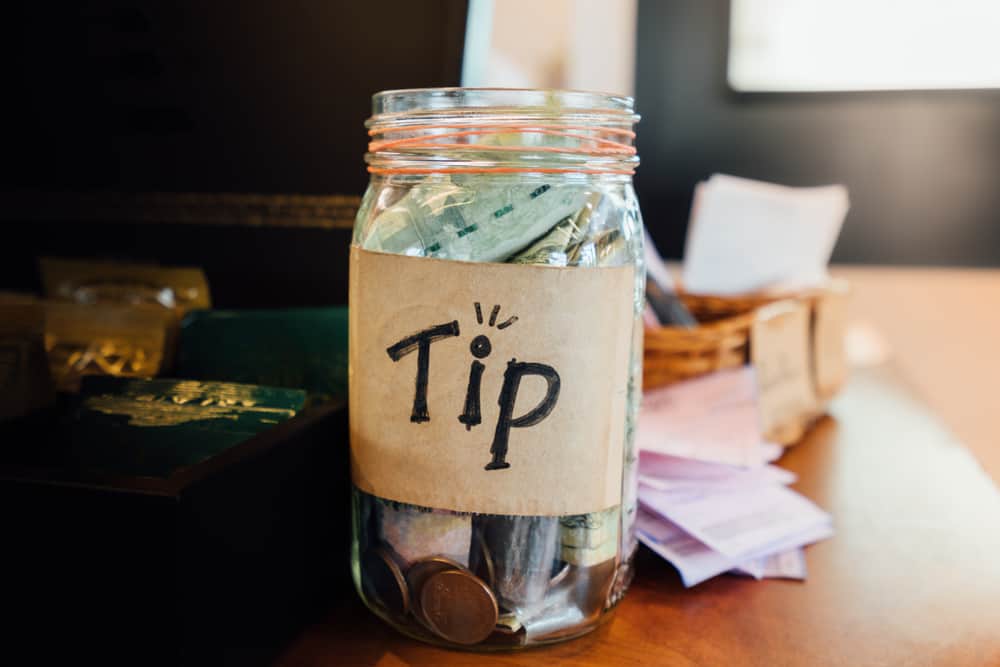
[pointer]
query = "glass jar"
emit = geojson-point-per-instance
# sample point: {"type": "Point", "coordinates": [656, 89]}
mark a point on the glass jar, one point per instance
{"type": "Point", "coordinates": [496, 354]}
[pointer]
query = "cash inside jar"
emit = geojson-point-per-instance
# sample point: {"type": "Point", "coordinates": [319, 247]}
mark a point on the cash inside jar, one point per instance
{"type": "Point", "coordinates": [557, 198]}
{"type": "Point", "coordinates": [479, 578]}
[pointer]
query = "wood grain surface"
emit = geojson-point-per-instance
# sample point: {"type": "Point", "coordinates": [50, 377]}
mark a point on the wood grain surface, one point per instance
{"type": "Point", "coordinates": [912, 576]}
{"type": "Point", "coordinates": [942, 326]}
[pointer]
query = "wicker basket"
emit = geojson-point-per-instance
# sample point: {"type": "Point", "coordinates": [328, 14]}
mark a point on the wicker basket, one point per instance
{"type": "Point", "coordinates": [672, 354]}
{"type": "Point", "coordinates": [722, 340]}
{"type": "Point", "coordinates": [713, 307]}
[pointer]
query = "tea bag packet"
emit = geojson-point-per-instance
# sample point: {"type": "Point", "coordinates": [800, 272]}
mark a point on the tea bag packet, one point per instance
{"type": "Point", "coordinates": [103, 339]}
{"type": "Point", "coordinates": [418, 532]}
{"type": "Point", "coordinates": [25, 383]}
{"type": "Point", "coordinates": [86, 281]}
{"type": "Point", "coordinates": [176, 290]}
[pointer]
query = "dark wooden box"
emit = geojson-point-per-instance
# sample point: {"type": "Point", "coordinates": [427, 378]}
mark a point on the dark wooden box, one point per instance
{"type": "Point", "coordinates": [218, 564]}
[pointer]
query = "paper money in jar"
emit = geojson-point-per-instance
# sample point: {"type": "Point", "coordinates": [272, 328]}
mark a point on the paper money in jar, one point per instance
{"type": "Point", "coordinates": [512, 200]}
{"type": "Point", "coordinates": [417, 532]}
{"type": "Point", "coordinates": [589, 539]}
{"type": "Point", "coordinates": [451, 221]}
{"type": "Point", "coordinates": [525, 549]}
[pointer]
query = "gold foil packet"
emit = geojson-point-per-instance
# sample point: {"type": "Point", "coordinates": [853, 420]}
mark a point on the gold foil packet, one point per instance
{"type": "Point", "coordinates": [94, 282]}
{"type": "Point", "coordinates": [86, 281]}
{"type": "Point", "coordinates": [104, 339]}
{"type": "Point", "coordinates": [25, 383]}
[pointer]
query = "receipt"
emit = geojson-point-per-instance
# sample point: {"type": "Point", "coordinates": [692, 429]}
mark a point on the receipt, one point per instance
{"type": "Point", "coordinates": [749, 235]}
{"type": "Point", "coordinates": [694, 561]}
{"type": "Point", "coordinates": [711, 418]}
{"type": "Point", "coordinates": [789, 564]}
{"type": "Point", "coordinates": [673, 473]}
{"type": "Point", "coordinates": [743, 524]}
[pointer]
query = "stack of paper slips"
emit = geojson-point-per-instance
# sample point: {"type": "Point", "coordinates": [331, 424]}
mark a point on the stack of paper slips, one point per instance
{"type": "Point", "coordinates": [747, 235]}
{"type": "Point", "coordinates": [709, 500]}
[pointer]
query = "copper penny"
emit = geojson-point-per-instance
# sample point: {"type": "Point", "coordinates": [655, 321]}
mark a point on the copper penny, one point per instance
{"type": "Point", "coordinates": [483, 561]}
{"type": "Point", "coordinates": [557, 579]}
{"type": "Point", "coordinates": [420, 572]}
{"type": "Point", "coordinates": [385, 580]}
{"type": "Point", "coordinates": [459, 607]}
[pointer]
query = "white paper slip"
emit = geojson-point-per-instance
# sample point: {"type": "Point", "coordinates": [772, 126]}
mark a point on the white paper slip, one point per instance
{"type": "Point", "coordinates": [711, 418]}
{"type": "Point", "coordinates": [789, 564]}
{"type": "Point", "coordinates": [771, 451]}
{"type": "Point", "coordinates": [741, 524]}
{"type": "Point", "coordinates": [655, 266]}
{"type": "Point", "coordinates": [665, 472]}
{"type": "Point", "coordinates": [747, 235]}
{"type": "Point", "coordinates": [694, 561]}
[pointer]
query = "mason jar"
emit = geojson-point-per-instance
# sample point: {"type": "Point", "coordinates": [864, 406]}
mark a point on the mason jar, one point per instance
{"type": "Point", "coordinates": [496, 289]}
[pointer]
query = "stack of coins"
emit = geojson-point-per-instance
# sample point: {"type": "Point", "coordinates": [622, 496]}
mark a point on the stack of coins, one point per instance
{"type": "Point", "coordinates": [486, 579]}
{"type": "Point", "coordinates": [442, 595]}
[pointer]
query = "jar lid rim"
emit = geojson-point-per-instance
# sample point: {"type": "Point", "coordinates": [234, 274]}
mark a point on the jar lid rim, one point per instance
{"type": "Point", "coordinates": [419, 100]}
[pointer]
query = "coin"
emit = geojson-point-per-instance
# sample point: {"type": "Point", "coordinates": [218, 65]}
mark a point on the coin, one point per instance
{"type": "Point", "coordinates": [559, 576]}
{"type": "Point", "coordinates": [385, 581]}
{"type": "Point", "coordinates": [481, 561]}
{"type": "Point", "coordinates": [459, 607]}
{"type": "Point", "coordinates": [420, 572]}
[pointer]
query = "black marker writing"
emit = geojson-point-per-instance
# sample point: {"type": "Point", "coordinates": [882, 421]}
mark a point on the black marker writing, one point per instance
{"type": "Point", "coordinates": [480, 348]}
{"type": "Point", "coordinates": [508, 397]}
{"type": "Point", "coordinates": [421, 341]}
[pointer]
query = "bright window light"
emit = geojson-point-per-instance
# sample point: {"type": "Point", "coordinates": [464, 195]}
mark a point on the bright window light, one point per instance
{"type": "Point", "coordinates": [829, 45]}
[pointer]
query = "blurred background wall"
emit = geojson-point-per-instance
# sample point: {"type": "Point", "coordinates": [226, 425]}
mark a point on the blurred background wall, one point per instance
{"type": "Point", "coordinates": [257, 97]}
{"type": "Point", "coordinates": [922, 167]}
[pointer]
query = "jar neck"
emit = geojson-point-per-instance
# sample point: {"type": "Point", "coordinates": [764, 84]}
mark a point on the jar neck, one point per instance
{"type": "Point", "coordinates": [495, 131]}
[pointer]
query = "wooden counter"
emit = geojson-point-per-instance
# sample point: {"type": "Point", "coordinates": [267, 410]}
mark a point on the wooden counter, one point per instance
{"type": "Point", "coordinates": [911, 577]}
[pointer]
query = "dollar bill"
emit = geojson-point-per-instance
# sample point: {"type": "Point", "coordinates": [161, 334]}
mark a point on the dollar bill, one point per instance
{"type": "Point", "coordinates": [551, 248]}
{"type": "Point", "coordinates": [607, 248]}
{"type": "Point", "coordinates": [417, 532]}
{"type": "Point", "coordinates": [449, 220]}
{"type": "Point", "coordinates": [587, 531]}
{"type": "Point", "coordinates": [524, 550]}
{"type": "Point", "coordinates": [587, 556]}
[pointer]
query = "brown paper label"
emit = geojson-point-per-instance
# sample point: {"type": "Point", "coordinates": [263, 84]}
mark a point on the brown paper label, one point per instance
{"type": "Point", "coordinates": [492, 388]}
{"type": "Point", "coordinates": [829, 329]}
{"type": "Point", "coordinates": [780, 353]}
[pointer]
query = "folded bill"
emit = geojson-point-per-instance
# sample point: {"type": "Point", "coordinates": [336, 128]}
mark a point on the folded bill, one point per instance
{"type": "Point", "coordinates": [447, 220]}
{"type": "Point", "coordinates": [417, 532]}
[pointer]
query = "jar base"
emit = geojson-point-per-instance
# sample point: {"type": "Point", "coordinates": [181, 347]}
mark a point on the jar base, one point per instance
{"type": "Point", "coordinates": [418, 633]}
